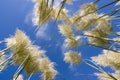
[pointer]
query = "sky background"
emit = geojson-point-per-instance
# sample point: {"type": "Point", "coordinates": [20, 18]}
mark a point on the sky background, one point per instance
{"type": "Point", "coordinates": [17, 14]}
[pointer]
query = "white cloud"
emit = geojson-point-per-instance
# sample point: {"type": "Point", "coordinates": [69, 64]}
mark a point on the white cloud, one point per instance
{"type": "Point", "coordinates": [64, 48]}
{"type": "Point", "coordinates": [42, 32]}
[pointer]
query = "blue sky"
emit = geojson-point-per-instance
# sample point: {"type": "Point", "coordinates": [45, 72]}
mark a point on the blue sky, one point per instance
{"type": "Point", "coordinates": [18, 14]}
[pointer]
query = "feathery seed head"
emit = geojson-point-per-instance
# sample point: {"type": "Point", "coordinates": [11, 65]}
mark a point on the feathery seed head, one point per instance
{"type": "Point", "coordinates": [62, 14]}
{"type": "Point", "coordinates": [72, 42]}
{"type": "Point", "coordinates": [72, 57]}
{"type": "Point", "coordinates": [108, 58]}
{"type": "Point", "coordinates": [47, 68]}
{"type": "Point", "coordinates": [41, 12]}
{"type": "Point", "coordinates": [66, 30]}
{"type": "Point", "coordinates": [104, 24]}
{"type": "Point", "coordinates": [104, 76]}
{"type": "Point", "coordinates": [96, 37]}
{"type": "Point", "coordinates": [87, 8]}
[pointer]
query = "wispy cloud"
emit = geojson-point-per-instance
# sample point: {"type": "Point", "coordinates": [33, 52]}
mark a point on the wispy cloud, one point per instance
{"type": "Point", "coordinates": [42, 32]}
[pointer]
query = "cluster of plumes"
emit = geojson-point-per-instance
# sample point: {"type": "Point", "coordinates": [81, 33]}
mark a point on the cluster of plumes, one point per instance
{"type": "Point", "coordinates": [96, 27]}
{"type": "Point", "coordinates": [30, 56]}
{"type": "Point", "coordinates": [103, 28]}
{"type": "Point", "coordinates": [71, 40]}
{"type": "Point", "coordinates": [104, 76]}
{"type": "Point", "coordinates": [44, 11]}
{"type": "Point", "coordinates": [72, 57]}
{"type": "Point", "coordinates": [108, 58]}
{"type": "Point", "coordinates": [111, 59]}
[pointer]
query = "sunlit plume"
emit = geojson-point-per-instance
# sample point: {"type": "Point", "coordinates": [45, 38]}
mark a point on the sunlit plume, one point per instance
{"type": "Point", "coordinates": [63, 14]}
{"type": "Point", "coordinates": [72, 41]}
{"type": "Point", "coordinates": [96, 37]}
{"type": "Point", "coordinates": [104, 76]}
{"type": "Point", "coordinates": [103, 23]}
{"type": "Point", "coordinates": [108, 58]}
{"type": "Point", "coordinates": [47, 67]}
{"type": "Point", "coordinates": [65, 30]}
{"type": "Point", "coordinates": [23, 48]}
{"type": "Point", "coordinates": [86, 22]}
{"type": "Point", "coordinates": [42, 12]}
{"type": "Point", "coordinates": [72, 57]}
{"type": "Point", "coordinates": [87, 9]}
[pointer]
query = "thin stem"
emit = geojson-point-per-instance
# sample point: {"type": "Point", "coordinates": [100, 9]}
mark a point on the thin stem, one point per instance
{"type": "Point", "coordinates": [6, 65]}
{"type": "Point", "coordinates": [107, 39]}
{"type": "Point", "coordinates": [29, 76]}
{"type": "Point", "coordinates": [91, 65]}
{"type": "Point", "coordinates": [2, 41]}
{"type": "Point", "coordinates": [104, 48]}
{"type": "Point", "coordinates": [62, 5]}
{"type": "Point", "coordinates": [20, 68]}
{"type": "Point", "coordinates": [6, 60]}
{"type": "Point", "coordinates": [96, 1]}
{"type": "Point", "coordinates": [8, 48]}
{"type": "Point", "coordinates": [17, 73]}
{"type": "Point", "coordinates": [99, 69]}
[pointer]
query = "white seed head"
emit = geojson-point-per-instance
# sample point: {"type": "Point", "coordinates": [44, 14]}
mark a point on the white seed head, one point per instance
{"type": "Point", "coordinates": [62, 15]}
{"type": "Point", "coordinates": [104, 76]}
{"type": "Point", "coordinates": [97, 37]}
{"type": "Point", "coordinates": [66, 30]}
{"type": "Point", "coordinates": [45, 64]}
{"type": "Point", "coordinates": [32, 64]}
{"type": "Point", "coordinates": [23, 48]}
{"type": "Point", "coordinates": [87, 8]}
{"type": "Point", "coordinates": [108, 58]}
{"type": "Point", "coordinates": [104, 24]}
{"type": "Point", "coordinates": [19, 46]}
{"type": "Point", "coordinates": [49, 75]}
{"type": "Point", "coordinates": [47, 67]}
{"type": "Point", "coordinates": [72, 57]}
{"type": "Point", "coordinates": [41, 12]}
{"type": "Point", "coordinates": [72, 42]}
{"type": "Point", "coordinates": [19, 39]}
{"type": "Point", "coordinates": [86, 22]}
